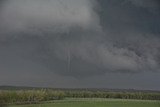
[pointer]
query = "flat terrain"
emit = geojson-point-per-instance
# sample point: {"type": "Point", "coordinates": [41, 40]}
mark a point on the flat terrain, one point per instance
{"type": "Point", "coordinates": [95, 102]}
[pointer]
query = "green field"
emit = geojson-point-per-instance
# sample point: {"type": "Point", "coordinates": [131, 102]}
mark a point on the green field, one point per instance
{"type": "Point", "coordinates": [95, 102]}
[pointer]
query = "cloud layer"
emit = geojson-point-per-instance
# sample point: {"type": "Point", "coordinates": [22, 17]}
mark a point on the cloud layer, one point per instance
{"type": "Point", "coordinates": [74, 27]}
{"type": "Point", "coordinates": [54, 16]}
{"type": "Point", "coordinates": [80, 38]}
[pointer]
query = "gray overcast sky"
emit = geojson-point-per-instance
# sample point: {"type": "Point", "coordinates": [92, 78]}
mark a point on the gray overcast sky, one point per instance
{"type": "Point", "coordinates": [80, 43]}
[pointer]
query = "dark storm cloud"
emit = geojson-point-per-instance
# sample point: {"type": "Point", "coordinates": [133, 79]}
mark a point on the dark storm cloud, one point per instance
{"type": "Point", "coordinates": [150, 5]}
{"type": "Point", "coordinates": [79, 38]}
{"type": "Point", "coordinates": [73, 27]}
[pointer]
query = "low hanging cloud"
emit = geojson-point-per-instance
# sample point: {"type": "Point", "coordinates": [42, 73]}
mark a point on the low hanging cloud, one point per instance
{"type": "Point", "coordinates": [132, 58]}
{"type": "Point", "coordinates": [50, 15]}
{"type": "Point", "coordinates": [68, 38]}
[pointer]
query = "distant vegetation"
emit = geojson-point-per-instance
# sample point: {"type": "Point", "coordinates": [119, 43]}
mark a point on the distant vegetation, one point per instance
{"type": "Point", "coordinates": [29, 96]}
{"type": "Point", "coordinates": [40, 95]}
{"type": "Point", "coordinates": [118, 95]}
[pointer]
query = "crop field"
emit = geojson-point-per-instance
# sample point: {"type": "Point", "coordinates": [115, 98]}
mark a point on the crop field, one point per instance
{"type": "Point", "coordinates": [95, 102]}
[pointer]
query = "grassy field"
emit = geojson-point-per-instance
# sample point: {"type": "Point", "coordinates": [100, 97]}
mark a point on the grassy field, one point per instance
{"type": "Point", "coordinates": [96, 102]}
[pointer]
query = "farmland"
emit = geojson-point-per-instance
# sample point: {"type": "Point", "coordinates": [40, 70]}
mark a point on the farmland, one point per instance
{"type": "Point", "coordinates": [96, 103]}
